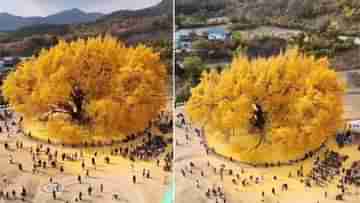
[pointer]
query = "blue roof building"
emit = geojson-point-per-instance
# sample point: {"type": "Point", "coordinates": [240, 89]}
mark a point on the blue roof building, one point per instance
{"type": "Point", "coordinates": [182, 40]}
{"type": "Point", "coordinates": [217, 34]}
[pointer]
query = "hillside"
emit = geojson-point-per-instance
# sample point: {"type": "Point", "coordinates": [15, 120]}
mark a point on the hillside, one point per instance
{"type": "Point", "coordinates": [192, 6]}
{"type": "Point", "coordinates": [143, 25]}
{"type": "Point", "coordinates": [165, 7]}
{"type": "Point", "coordinates": [340, 15]}
{"type": "Point", "coordinates": [337, 15]}
{"type": "Point", "coordinates": [9, 22]}
{"type": "Point", "coordinates": [153, 23]}
{"type": "Point", "coordinates": [71, 16]}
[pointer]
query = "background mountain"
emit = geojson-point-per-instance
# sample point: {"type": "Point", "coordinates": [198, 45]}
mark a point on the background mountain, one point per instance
{"type": "Point", "coordinates": [9, 22]}
{"type": "Point", "coordinates": [152, 23]}
{"type": "Point", "coordinates": [165, 7]}
{"type": "Point", "coordinates": [148, 25]}
{"type": "Point", "coordinates": [71, 16]}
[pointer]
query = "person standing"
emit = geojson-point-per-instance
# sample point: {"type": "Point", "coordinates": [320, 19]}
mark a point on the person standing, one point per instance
{"type": "Point", "coordinates": [93, 161]}
{"type": "Point", "coordinates": [101, 188]}
{"type": "Point", "coordinates": [89, 190]}
{"type": "Point", "coordinates": [79, 179]}
{"type": "Point", "coordinates": [134, 179]}
{"type": "Point", "coordinates": [23, 193]}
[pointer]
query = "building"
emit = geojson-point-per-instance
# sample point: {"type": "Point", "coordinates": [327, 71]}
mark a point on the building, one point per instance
{"type": "Point", "coordinates": [217, 34]}
{"type": "Point", "coordinates": [10, 61]}
{"type": "Point", "coordinates": [218, 20]}
{"type": "Point", "coordinates": [7, 64]}
{"type": "Point", "coordinates": [354, 128]}
{"type": "Point", "coordinates": [182, 41]}
{"type": "Point", "coordinates": [23, 59]}
{"type": "Point", "coordinates": [357, 41]}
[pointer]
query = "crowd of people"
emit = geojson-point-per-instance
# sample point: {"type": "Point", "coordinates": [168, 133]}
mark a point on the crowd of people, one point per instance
{"type": "Point", "coordinates": [152, 145]}
{"type": "Point", "coordinates": [182, 123]}
{"type": "Point", "coordinates": [352, 175]}
{"type": "Point", "coordinates": [323, 171]}
{"type": "Point", "coordinates": [150, 148]}
{"type": "Point", "coordinates": [46, 156]}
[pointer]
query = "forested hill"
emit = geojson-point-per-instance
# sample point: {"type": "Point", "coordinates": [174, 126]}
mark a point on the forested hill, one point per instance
{"type": "Point", "coordinates": [9, 22]}
{"type": "Point", "coordinates": [306, 14]}
{"type": "Point", "coordinates": [133, 26]}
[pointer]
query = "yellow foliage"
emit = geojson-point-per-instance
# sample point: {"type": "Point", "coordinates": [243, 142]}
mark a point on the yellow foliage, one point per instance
{"type": "Point", "coordinates": [98, 83]}
{"type": "Point", "coordinates": [299, 98]}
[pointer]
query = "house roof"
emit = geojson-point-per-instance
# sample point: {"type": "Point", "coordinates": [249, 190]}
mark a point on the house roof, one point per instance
{"type": "Point", "coordinates": [8, 58]}
{"type": "Point", "coordinates": [218, 31]}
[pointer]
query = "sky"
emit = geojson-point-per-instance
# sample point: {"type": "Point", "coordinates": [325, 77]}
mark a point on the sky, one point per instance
{"type": "Point", "coordinates": [48, 7]}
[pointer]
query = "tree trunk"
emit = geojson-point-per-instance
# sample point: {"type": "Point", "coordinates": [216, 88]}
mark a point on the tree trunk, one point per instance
{"type": "Point", "coordinates": [78, 98]}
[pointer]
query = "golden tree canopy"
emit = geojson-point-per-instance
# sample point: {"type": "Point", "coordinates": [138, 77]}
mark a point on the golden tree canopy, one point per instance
{"type": "Point", "coordinates": [292, 100]}
{"type": "Point", "coordinates": [97, 85]}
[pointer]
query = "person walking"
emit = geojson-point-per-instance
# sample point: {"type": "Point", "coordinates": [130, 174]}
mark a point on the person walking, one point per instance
{"type": "Point", "coordinates": [80, 196]}
{"type": "Point", "coordinates": [23, 193]}
{"type": "Point", "coordinates": [54, 194]}
{"type": "Point", "coordinates": [89, 190]}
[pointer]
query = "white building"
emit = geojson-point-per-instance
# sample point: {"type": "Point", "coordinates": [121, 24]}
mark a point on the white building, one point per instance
{"type": "Point", "coordinates": [354, 127]}
{"type": "Point", "coordinates": [217, 34]}
{"type": "Point", "coordinates": [218, 20]}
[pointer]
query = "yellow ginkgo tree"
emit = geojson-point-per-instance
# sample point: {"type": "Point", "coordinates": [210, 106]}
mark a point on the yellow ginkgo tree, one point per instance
{"type": "Point", "coordinates": [263, 108]}
{"type": "Point", "coordinates": [95, 85]}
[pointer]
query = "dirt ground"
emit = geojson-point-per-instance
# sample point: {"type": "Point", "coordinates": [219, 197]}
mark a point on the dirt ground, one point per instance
{"type": "Point", "coordinates": [193, 186]}
{"type": "Point", "coordinates": [116, 177]}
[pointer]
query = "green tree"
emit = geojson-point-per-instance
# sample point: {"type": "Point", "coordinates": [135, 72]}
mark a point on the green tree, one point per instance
{"type": "Point", "coordinates": [202, 44]}
{"type": "Point", "coordinates": [193, 66]}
